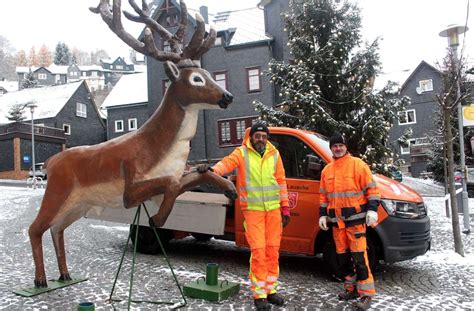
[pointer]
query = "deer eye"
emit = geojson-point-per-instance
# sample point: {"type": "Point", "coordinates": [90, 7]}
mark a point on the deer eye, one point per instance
{"type": "Point", "coordinates": [197, 79]}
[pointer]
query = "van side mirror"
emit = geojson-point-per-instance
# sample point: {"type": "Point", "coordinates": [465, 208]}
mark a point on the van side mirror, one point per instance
{"type": "Point", "coordinates": [313, 167]}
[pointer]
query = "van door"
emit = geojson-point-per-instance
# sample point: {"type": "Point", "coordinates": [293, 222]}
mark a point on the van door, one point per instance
{"type": "Point", "coordinates": [303, 192]}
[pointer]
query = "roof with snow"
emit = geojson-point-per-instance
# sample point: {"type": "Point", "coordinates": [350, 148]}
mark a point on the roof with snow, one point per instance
{"type": "Point", "coordinates": [50, 100]}
{"type": "Point", "coordinates": [54, 69]}
{"type": "Point", "coordinates": [249, 25]}
{"type": "Point", "coordinates": [130, 89]}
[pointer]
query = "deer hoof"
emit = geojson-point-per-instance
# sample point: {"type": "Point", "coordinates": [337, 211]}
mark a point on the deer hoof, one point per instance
{"type": "Point", "coordinates": [65, 277]}
{"type": "Point", "coordinates": [153, 224]}
{"type": "Point", "coordinates": [231, 194]}
{"type": "Point", "coordinates": [41, 283]}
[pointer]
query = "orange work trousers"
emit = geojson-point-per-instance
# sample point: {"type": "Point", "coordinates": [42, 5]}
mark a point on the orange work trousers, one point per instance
{"type": "Point", "coordinates": [351, 249]}
{"type": "Point", "coordinates": [263, 232]}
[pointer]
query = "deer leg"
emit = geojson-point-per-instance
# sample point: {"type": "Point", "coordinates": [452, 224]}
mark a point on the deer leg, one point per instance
{"type": "Point", "coordinates": [169, 197]}
{"type": "Point", "coordinates": [50, 206]}
{"type": "Point", "coordinates": [194, 179]}
{"type": "Point", "coordinates": [58, 241]}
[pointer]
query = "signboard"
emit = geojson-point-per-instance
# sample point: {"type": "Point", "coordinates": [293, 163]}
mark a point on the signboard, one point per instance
{"type": "Point", "coordinates": [26, 159]}
{"type": "Point", "coordinates": [468, 115]}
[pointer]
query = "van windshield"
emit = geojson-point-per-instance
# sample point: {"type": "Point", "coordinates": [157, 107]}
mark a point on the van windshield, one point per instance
{"type": "Point", "coordinates": [322, 141]}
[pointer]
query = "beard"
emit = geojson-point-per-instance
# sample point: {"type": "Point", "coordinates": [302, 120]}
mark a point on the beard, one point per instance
{"type": "Point", "coordinates": [259, 147]}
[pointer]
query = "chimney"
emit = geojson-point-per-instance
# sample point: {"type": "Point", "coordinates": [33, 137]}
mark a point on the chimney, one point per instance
{"type": "Point", "coordinates": [205, 14]}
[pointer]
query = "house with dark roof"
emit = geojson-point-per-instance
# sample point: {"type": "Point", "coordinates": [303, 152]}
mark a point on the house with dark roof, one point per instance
{"type": "Point", "coordinates": [421, 86]}
{"type": "Point", "coordinates": [65, 116]}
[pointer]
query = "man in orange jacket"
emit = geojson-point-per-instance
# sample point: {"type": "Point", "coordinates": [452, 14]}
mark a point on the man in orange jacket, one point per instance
{"type": "Point", "coordinates": [349, 199]}
{"type": "Point", "coordinates": [263, 198]}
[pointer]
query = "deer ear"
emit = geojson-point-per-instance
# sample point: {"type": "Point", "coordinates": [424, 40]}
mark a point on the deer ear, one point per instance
{"type": "Point", "coordinates": [171, 71]}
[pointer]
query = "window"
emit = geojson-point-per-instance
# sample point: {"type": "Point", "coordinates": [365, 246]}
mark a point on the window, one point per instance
{"type": "Point", "coordinates": [405, 148]}
{"type": "Point", "coordinates": [232, 131]}
{"type": "Point", "coordinates": [42, 76]}
{"type": "Point", "coordinates": [119, 67]}
{"type": "Point", "coordinates": [407, 117]}
{"type": "Point", "coordinates": [94, 73]}
{"type": "Point", "coordinates": [221, 79]}
{"type": "Point", "coordinates": [172, 20]}
{"type": "Point", "coordinates": [84, 74]}
{"type": "Point", "coordinates": [81, 110]}
{"type": "Point", "coordinates": [67, 129]}
{"type": "Point", "coordinates": [58, 78]}
{"type": "Point", "coordinates": [132, 124]}
{"type": "Point", "coordinates": [295, 155]}
{"type": "Point", "coordinates": [426, 85]}
{"type": "Point", "coordinates": [218, 41]}
{"type": "Point", "coordinates": [253, 79]}
{"type": "Point", "coordinates": [118, 126]}
{"type": "Point", "coordinates": [166, 46]}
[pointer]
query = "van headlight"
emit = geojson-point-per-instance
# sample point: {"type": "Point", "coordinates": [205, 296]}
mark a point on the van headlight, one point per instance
{"type": "Point", "coordinates": [404, 209]}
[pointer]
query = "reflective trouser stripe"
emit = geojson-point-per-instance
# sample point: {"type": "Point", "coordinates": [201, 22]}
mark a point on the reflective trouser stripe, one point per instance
{"type": "Point", "coordinates": [345, 239]}
{"type": "Point", "coordinates": [353, 217]}
{"type": "Point", "coordinates": [350, 282]}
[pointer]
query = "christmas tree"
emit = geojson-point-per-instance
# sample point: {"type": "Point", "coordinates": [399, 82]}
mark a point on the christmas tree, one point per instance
{"type": "Point", "coordinates": [30, 81]}
{"type": "Point", "coordinates": [327, 86]}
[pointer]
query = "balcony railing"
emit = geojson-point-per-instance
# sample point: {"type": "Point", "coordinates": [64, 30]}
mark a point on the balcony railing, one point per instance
{"type": "Point", "coordinates": [21, 127]}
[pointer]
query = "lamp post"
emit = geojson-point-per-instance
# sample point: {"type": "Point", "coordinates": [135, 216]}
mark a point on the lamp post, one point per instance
{"type": "Point", "coordinates": [452, 32]}
{"type": "Point", "coordinates": [32, 107]}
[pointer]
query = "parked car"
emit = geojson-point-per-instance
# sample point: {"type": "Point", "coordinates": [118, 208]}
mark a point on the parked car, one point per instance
{"type": "Point", "coordinates": [38, 171]}
{"type": "Point", "coordinates": [457, 176]}
{"type": "Point", "coordinates": [396, 174]}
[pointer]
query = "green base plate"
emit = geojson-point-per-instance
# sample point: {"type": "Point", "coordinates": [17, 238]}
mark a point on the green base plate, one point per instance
{"type": "Point", "coordinates": [52, 285]}
{"type": "Point", "coordinates": [200, 289]}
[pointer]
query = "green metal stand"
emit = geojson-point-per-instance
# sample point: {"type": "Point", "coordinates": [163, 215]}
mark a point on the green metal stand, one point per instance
{"type": "Point", "coordinates": [136, 221]}
{"type": "Point", "coordinates": [52, 285]}
{"type": "Point", "coordinates": [208, 288]}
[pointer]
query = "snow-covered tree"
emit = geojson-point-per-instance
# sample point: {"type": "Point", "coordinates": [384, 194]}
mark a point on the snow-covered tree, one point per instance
{"type": "Point", "coordinates": [62, 55]}
{"type": "Point", "coordinates": [30, 81]}
{"type": "Point", "coordinates": [7, 60]}
{"type": "Point", "coordinates": [44, 56]}
{"type": "Point", "coordinates": [327, 87]}
{"type": "Point", "coordinates": [32, 57]}
{"type": "Point", "coordinates": [15, 113]}
{"type": "Point", "coordinates": [21, 58]}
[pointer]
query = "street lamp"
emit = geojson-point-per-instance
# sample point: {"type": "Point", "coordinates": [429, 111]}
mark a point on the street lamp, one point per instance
{"type": "Point", "coordinates": [452, 32]}
{"type": "Point", "coordinates": [32, 107]}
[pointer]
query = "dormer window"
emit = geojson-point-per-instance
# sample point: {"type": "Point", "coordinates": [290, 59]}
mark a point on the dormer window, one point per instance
{"type": "Point", "coordinates": [218, 41]}
{"type": "Point", "coordinates": [426, 85]}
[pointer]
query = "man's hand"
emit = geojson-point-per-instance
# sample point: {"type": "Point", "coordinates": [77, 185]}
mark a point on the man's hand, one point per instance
{"type": "Point", "coordinates": [371, 218]}
{"type": "Point", "coordinates": [285, 220]}
{"type": "Point", "coordinates": [202, 168]}
{"type": "Point", "coordinates": [323, 222]}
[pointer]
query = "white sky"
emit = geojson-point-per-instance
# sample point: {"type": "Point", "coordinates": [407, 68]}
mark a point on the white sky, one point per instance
{"type": "Point", "coordinates": [409, 28]}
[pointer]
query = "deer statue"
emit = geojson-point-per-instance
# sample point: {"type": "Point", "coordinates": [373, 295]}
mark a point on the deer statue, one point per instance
{"type": "Point", "coordinates": [148, 163]}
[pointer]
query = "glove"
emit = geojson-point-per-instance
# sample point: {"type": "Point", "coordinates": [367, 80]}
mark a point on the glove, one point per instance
{"type": "Point", "coordinates": [323, 222]}
{"type": "Point", "coordinates": [285, 216]}
{"type": "Point", "coordinates": [285, 220]}
{"type": "Point", "coordinates": [202, 168]}
{"type": "Point", "coordinates": [371, 217]}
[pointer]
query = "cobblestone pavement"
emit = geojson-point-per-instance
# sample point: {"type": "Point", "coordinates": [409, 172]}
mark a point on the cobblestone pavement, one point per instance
{"type": "Point", "coordinates": [94, 248]}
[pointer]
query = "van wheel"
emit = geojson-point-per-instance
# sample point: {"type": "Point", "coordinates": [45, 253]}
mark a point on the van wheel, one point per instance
{"type": "Point", "coordinates": [147, 242]}
{"type": "Point", "coordinates": [372, 254]}
{"type": "Point", "coordinates": [201, 237]}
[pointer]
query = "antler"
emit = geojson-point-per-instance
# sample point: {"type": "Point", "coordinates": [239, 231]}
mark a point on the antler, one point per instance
{"type": "Point", "coordinates": [194, 50]}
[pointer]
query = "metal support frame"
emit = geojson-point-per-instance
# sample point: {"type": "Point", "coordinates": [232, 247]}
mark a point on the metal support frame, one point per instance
{"type": "Point", "coordinates": [136, 221]}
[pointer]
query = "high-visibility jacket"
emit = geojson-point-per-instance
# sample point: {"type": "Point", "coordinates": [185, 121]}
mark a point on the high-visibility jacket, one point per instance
{"type": "Point", "coordinates": [347, 184]}
{"type": "Point", "coordinates": [261, 182]}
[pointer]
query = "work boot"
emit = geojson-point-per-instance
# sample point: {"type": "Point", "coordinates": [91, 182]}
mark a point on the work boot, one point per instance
{"type": "Point", "coordinates": [363, 303]}
{"type": "Point", "coordinates": [262, 304]}
{"type": "Point", "coordinates": [275, 299]}
{"type": "Point", "coordinates": [348, 295]}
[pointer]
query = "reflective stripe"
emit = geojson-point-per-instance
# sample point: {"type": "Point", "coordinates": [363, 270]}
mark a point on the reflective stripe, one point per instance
{"type": "Point", "coordinates": [374, 197]}
{"type": "Point", "coordinates": [353, 217]}
{"type": "Point", "coordinates": [370, 185]}
{"type": "Point", "coordinates": [323, 205]}
{"type": "Point", "coordinates": [322, 190]}
{"type": "Point", "coordinates": [365, 286]}
{"type": "Point", "coordinates": [259, 199]}
{"type": "Point", "coordinates": [275, 158]}
{"type": "Point", "coordinates": [272, 278]}
{"type": "Point", "coordinates": [348, 194]}
{"type": "Point", "coordinates": [263, 188]}
{"type": "Point", "coordinates": [350, 280]}
{"type": "Point", "coordinates": [247, 166]}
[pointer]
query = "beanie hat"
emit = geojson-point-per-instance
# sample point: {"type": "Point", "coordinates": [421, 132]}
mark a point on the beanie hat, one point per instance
{"type": "Point", "coordinates": [337, 139]}
{"type": "Point", "coordinates": [259, 127]}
